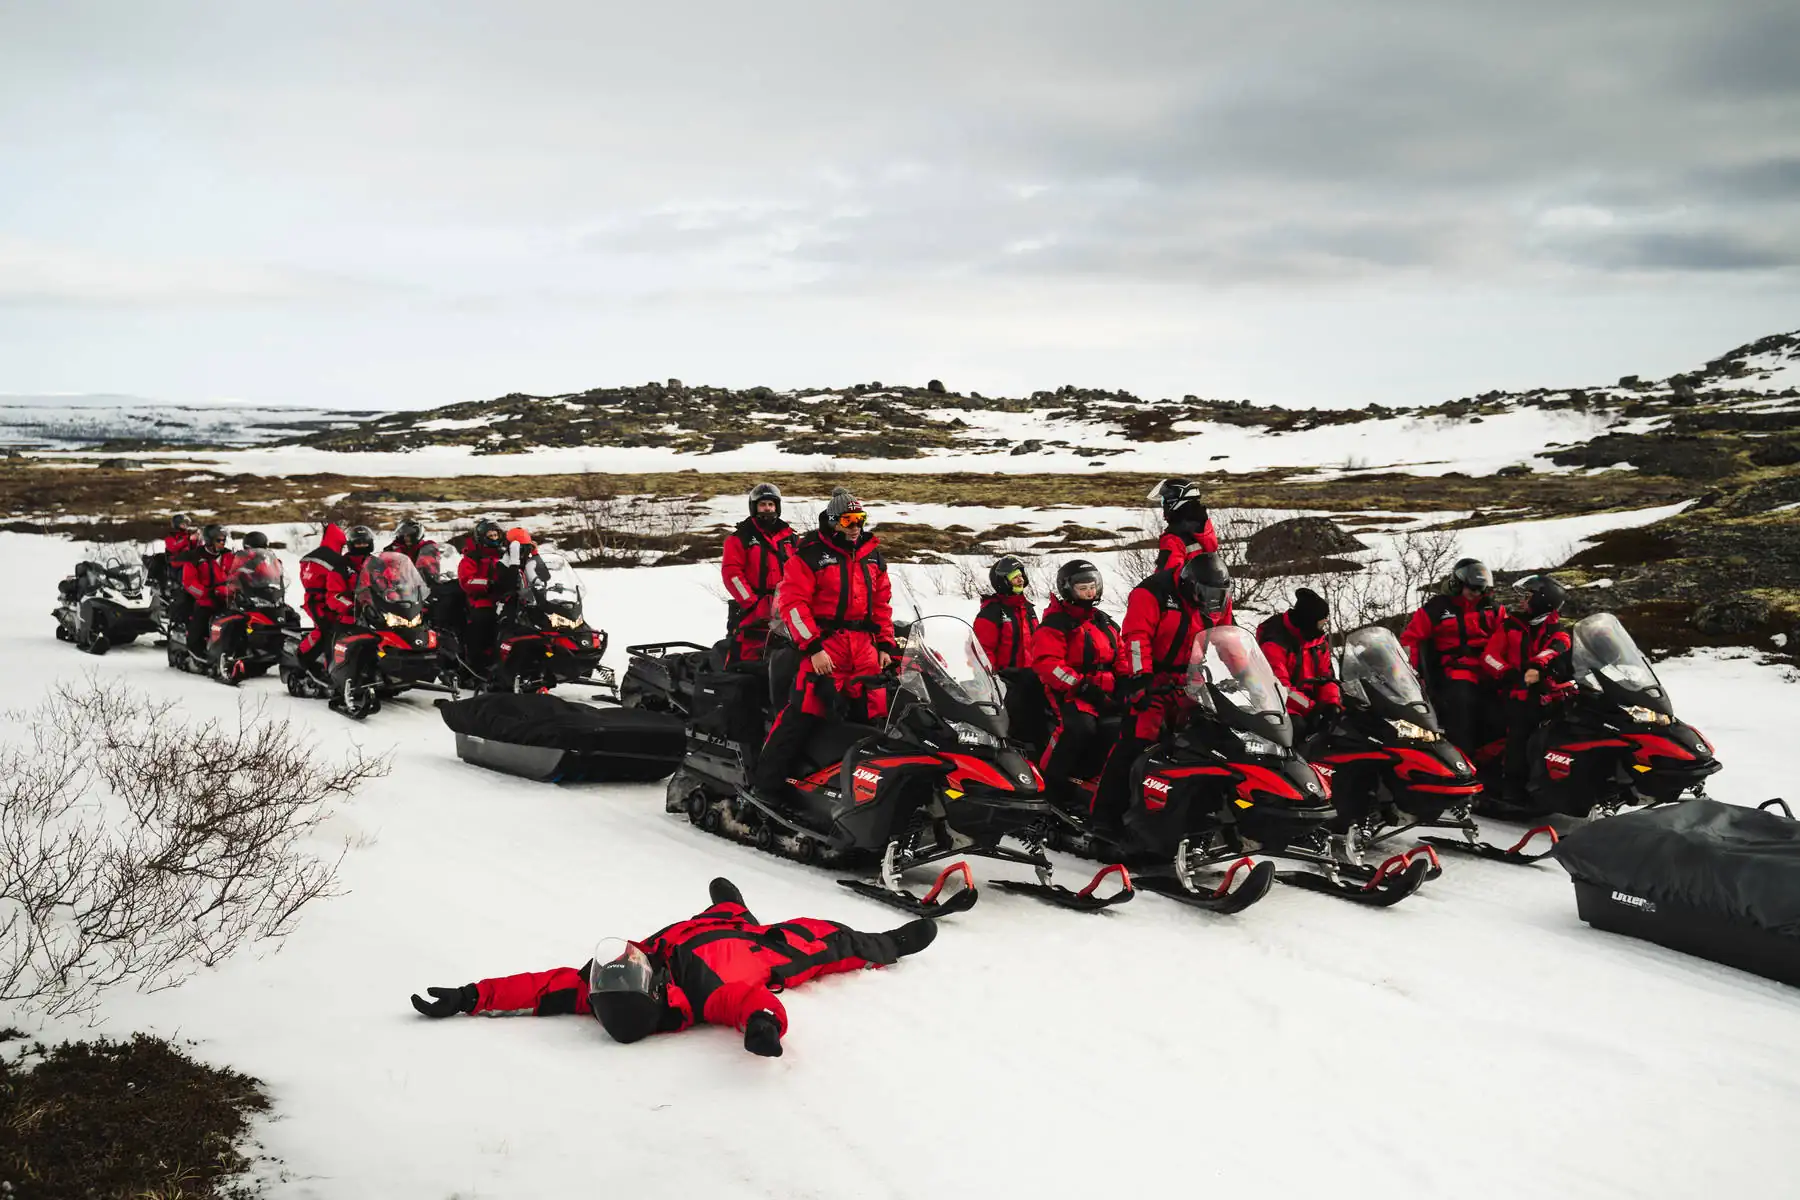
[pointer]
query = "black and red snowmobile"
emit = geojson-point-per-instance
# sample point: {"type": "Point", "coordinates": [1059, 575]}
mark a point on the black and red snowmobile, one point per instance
{"type": "Point", "coordinates": [1227, 785]}
{"type": "Point", "coordinates": [1390, 766]}
{"type": "Point", "coordinates": [544, 638]}
{"type": "Point", "coordinates": [938, 781]}
{"type": "Point", "coordinates": [1611, 740]}
{"type": "Point", "coordinates": [246, 639]}
{"type": "Point", "coordinates": [391, 648]}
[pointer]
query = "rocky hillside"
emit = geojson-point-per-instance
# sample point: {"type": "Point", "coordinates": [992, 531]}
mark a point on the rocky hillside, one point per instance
{"type": "Point", "coordinates": [885, 421]}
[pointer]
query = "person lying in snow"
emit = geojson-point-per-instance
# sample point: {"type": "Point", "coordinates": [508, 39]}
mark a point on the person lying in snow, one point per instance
{"type": "Point", "coordinates": [718, 968]}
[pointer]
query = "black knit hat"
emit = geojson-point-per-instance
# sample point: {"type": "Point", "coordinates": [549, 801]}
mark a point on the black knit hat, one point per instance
{"type": "Point", "coordinates": [1309, 608]}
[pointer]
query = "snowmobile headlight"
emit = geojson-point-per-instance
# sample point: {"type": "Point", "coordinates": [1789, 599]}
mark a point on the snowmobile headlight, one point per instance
{"type": "Point", "coordinates": [396, 621]}
{"type": "Point", "coordinates": [1412, 731]}
{"type": "Point", "coordinates": [973, 735]}
{"type": "Point", "coordinates": [1256, 745]}
{"type": "Point", "coordinates": [558, 621]}
{"type": "Point", "coordinates": [1646, 716]}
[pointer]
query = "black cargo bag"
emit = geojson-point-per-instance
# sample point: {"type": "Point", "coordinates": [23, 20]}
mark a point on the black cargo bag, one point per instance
{"type": "Point", "coordinates": [729, 704]}
{"type": "Point", "coordinates": [540, 736]}
{"type": "Point", "coordinates": [1706, 878]}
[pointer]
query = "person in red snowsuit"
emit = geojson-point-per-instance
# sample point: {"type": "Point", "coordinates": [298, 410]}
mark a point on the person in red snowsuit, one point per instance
{"type": "Point", "coordinates": [755, 554]}
{"type": "Point", "coordinates": [1190, 528]}
{"type": "Point", "coordinates": [717, 968]}
{"type": "Point", "coordinates": [483, 579]}
{"type": "Point", "coordinates": [1298, 647]}
{"type": "Point", "coordinates": [1073, 653]}
{"type": "Point", "coordinates": [408, 536]}
{"type": "Point", "coordinates": [837, 605]}
{"type": "Point", "coordinates": [328, 582]}
{"type": "Point", "coordinates": [205, 574]}
{"type": "Point", "coordinates": [1445, 639]}
{"type": "Point", "coordinates": [1164, 617]}
{"type": "Point", "coordinates": [1006, 619]}
{"type": "Point", "coordinates": [1519, 657]}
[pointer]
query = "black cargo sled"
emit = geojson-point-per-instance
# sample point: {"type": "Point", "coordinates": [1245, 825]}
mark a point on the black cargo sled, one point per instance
{"type": "Point", "coordinates": [1704, 878]}
{"type": "Point", "coordinates": [540, 736]}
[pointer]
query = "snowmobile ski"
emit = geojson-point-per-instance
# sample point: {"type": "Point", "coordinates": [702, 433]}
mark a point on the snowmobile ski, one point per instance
{"type": "Point", "coordinates": [1086, 900]}
{"type": "Point", "coordinates": [928, 905]}
{"type": "Point", "coordinates": [1388, 884]}
{"type": "Point", "coordinates": [1223, 899]}
{"type": "Point", "coordinates": [1515, 854]}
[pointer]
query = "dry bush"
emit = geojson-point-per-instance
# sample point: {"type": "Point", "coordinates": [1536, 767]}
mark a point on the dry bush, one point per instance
{"type": "Point", "coordinates": [135, 847]}
{"type": "Point", "coordinates": [1388, 587]}
{"type": "Point", "coordinates": [611, 528]}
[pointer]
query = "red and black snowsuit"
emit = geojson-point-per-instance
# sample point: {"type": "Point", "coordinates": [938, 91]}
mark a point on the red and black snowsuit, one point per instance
{"type": "Point", "coordinates": [1073, 653]}
{"type": "Point", "coordinates": [328, 582]}
{"type": "Point", "coordinates": [1522, 642]}
{"type": "Point", "coordinates": [721, 968]}
{"type": "Point", "coordinates": [1003, 626]}
{"type": "Point", "coordinates": [840, 601]}
{"type": "Point", "coordinates": [1182, 540]}
{"type": "Point", "coordinates": [205, 578]}
{"type": "Point", "coordinates": [1445, 639]}
{"type": "Point", "coordinates": [1156, 643]}
{"type": "Point", "coordinates": [410, 549]}
{"type": "Point", "coordinates": [1302, 663]}
{"type": "Point", "coordinates": [752, 570]}
{"type": "Point", "coordinates": [483, 577]}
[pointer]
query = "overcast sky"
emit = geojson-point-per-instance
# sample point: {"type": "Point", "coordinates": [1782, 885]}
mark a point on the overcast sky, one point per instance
{"type": "Point", "coordinates": [400, 204]}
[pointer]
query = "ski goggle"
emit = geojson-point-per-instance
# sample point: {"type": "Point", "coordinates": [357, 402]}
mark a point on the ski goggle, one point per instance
{"type": "Point", "coordinates": [852, 522]}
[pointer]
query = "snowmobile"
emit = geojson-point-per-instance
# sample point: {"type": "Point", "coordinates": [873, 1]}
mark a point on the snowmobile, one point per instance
{"type": "Point", "coordinates": [544, 638]}
{"type": "Point", "coordinates": [1390, 767]}
{"type": "Point", "coordinates": [1227, 785]}
{"type": "Point", "coordinates": [388, 650]}
{"type": "Point", "coordinates": [1611, 740]}
{"type": "Point", "coordinates": [246, 639]}
{"type": "Point", "coordinates": [938, 780]}
{"type": "Point", "coordinates": [105, 603]}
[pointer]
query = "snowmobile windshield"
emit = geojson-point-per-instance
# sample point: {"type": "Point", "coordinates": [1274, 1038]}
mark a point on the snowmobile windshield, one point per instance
{"type": "Point", "coordinates": [1229, 677]}
{"type": "Point", "coordinates": [945, 670]}
{"type": "Point", "coordinates": [1605, 659]}
{"type": "Point", "coordinates": [1376, 671]}
{"type": "Point", "coordinates": [124, 568]}
{"type": "Point", "coordinates": [257, 578]}
{"type": "Point", "coordinates": [429, 558]}
{"type": "Point", "coordinates": [548, 581]}
{"type": "Point", "coordinates": [391, 584]}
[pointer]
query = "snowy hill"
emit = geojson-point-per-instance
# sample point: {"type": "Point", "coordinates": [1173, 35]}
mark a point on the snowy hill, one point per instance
{"type": "Point", "coordinates": [73, 422]}
{"type": "Point", "coordinates": [1475, 1041]}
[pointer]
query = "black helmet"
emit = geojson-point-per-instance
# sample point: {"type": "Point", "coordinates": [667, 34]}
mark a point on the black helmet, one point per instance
{"type": "Point", "coordinates": [408, 533]}
{"type": "Point", "coordinates": [1007, 576]}
{"type": "Point", "coordinates": [1205, 582]}
{"type": "Point", "coordinates": [622, 991]}
{"type": "Point", "coordinates": [213, 537]}
{"type": "Point", "coordinates": [256, 539]}
{"type": "Point", "coordinates": [1173, 493]}
{"type": "Point", "coordinates": [1546, 595]}
{"type": "Point", "coordinates": [843, 516]}
{"type": "Point", "coordinates": [361, 540]}
{"type": "Point", "coordinates": [488, 533]}
{"type": "Point", "coordinates": [765, 491]}
{"type": "Point", "coordinates": [180, 522]}
{"type": "Point", "coordinates": [1473, 574]}
{"type": "Point", "coordinates": [1072, 574]}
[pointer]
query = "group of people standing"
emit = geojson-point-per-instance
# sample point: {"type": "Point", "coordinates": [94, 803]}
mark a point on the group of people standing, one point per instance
{"type": "Point", "coordinates": [828, 593]}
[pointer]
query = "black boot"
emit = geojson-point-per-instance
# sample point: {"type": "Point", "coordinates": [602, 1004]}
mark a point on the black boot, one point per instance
{"type": "Point", "coordinates": [723, 891]}
{"type": "Point", "coordinates": [913, 936]}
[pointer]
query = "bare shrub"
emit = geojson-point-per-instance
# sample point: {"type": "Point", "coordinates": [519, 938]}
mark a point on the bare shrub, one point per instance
{"type": "Point", "coordinates": [1388, 587]}
{"type": "Point", "coordinates": [135, 847]}
{"type": "Point", "coordinates": [616, 529]}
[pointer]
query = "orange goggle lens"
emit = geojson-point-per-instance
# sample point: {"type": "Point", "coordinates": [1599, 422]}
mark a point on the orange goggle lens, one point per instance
{"type": "Point", "coordinates": [852, 520]}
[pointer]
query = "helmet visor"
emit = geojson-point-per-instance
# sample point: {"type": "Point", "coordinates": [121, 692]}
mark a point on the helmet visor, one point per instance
{"type": "Point", "coordinates": [620, 967]}
{"type": "Point", "coordinates": [1085, 585]}
{"type": "Point", "coordinates": [1476, 575]}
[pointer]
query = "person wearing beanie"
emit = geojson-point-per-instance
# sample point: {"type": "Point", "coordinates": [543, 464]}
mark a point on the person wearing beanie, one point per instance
{"type": "Point", "coordinates": [717, 968]}
{"type": "Point", "coordinates": [1297, 644]}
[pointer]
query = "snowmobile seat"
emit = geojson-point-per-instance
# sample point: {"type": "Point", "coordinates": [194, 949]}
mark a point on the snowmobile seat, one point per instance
{"type": "Point", "coordinates": [1705, 878]}
{"type": "Point", "coordinates": [540, 736]}
{"type": "Point", "coordinates": [828, 745]}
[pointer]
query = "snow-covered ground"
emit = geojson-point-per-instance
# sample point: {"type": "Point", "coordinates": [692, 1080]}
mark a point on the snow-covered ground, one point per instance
{"type": "Point", "coordinates": [64, 421]}
{"type": "Point", "coordinates": [1474, 1041]}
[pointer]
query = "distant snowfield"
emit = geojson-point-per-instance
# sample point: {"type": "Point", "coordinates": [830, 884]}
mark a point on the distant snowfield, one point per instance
{"type": "Point", "coordinates": [1520, 436]}
{"type": "Point", "coordinates": [1475, 1041]}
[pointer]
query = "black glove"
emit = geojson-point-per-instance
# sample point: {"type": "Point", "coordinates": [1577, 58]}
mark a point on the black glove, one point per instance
{"type": "Point", "coordinates": [762, 1034]}
{"type": "Point", "coordinates": [447, 1002]}
{"type": "Point", "coordinates": [1133, 686]}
